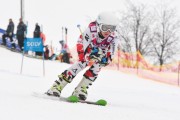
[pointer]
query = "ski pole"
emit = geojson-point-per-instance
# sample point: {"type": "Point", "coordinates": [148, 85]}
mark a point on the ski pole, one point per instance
{"type": "Point", "coordinates": [62, 33]}
{"type": "Point", "coordinates": [79, 27]}
{"type": "Point", "coordinates": [66, 34]}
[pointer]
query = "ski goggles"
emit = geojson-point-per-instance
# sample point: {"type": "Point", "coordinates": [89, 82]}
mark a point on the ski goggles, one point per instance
{"type": "Point", "coordinates": [106, 28]}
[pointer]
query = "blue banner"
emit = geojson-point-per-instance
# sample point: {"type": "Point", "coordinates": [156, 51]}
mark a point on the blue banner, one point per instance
{"type": "Point", "coordinates": [1, 33]}
{"type": "Point", "coordinates": [33, 44]}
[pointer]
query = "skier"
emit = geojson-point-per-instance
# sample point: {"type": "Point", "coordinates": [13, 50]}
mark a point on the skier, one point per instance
{"type": "Point", "coordinates": [97, 43]}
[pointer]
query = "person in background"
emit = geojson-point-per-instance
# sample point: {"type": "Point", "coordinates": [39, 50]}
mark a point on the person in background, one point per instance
{"type": "Point", "coordinates": [64, 55]}
{"type": "Point", "coordinates": [43, 37]}
{"type": "Point", "coordinates": [37, 31]}
{"type": "Point", "coordinates": [46, 52]}
{"type": "Point", "coordinates": [97, 43]}
{"type": "Point", "coordinates": [9, 33]}
{"type": "Point", "coordinates": [21, 33]}
{"type": "Point", "coordinates": [36, 34]}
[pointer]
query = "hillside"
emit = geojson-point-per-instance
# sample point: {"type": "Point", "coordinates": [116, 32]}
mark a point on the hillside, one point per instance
{"type": "Point", "coordinates": [129, 97]}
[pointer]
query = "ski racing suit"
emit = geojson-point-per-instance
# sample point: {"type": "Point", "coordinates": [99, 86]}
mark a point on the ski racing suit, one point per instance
{"type": "Point", "coordinates": [87, 43]}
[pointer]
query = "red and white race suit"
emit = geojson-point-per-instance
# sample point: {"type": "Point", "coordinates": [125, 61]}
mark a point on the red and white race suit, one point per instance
{"type": "Point", "coordinates": [86, 42]}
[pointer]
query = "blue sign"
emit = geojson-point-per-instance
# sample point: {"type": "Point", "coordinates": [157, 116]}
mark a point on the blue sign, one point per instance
{"type": "Point", "coordinates": [33, 44]}
{"type": "Point", "coordinates": [2, 31]}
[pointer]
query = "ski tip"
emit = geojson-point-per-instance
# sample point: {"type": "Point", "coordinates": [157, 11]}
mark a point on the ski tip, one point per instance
{"type": "Point", "coordinates": [101, 102]}
{"type": "Point", "coordinates": [73, 99]}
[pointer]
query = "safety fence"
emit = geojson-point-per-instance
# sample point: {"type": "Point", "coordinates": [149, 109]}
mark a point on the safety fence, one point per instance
{"type": "Point", "coordinates": [136, 64]}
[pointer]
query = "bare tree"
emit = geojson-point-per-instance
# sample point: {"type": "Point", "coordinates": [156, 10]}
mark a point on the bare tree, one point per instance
{"type": "Point", "coordinates": [134, 29]}
{"type": "Point", "coordinates": [165, 38]}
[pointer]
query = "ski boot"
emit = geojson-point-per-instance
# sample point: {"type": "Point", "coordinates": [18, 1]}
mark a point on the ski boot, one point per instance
{"type": "Point", "coordinates": [57, 87]}
{"type": "Point", "coordinates": [81, 90]}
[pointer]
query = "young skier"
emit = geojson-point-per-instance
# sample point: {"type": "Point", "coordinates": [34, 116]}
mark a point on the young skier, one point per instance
{"type": "Point", "coordinates": [97, 43]}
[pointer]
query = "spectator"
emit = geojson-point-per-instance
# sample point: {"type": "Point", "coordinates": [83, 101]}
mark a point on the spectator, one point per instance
{"type": "Point", "coordinates": [43, 37]}
{"type": "Point", "coordinates": [65, 52]}
{"type": "Point", "coordinates": [36, 34]}
{"type": "Point", "coordinates": [21, 33]}
{"type": "Point", "coordinates": [9, 33]}
{"type": "Point", "coordinates": [46, 53]}
{"type": "Point", "coordinates": [37, 31]}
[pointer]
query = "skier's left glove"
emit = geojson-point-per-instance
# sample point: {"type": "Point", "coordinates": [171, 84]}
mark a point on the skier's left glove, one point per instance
{"type": "Point", "coordinates": [96, 54]}
{"type": "Point", "coordinates": [104, 61]}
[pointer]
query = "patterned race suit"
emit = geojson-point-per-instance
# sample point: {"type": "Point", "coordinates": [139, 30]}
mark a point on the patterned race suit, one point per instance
{"type": "Point", "coordinates": [86, 42]}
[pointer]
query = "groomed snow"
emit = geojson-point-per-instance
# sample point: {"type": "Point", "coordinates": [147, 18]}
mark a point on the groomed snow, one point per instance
{"type": "Point", "coordinates": [129, 97]}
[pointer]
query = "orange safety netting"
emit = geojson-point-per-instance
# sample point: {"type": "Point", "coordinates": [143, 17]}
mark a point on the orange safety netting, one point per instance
{"type": "Point", "coordinates": [135, 63]}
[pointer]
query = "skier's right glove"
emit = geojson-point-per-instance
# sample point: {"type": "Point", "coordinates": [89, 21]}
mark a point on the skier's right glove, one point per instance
{"type": "Point", "coordinates": [96, 54]}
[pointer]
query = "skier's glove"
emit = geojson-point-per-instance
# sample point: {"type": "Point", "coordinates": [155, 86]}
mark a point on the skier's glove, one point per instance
{"type": "Point", "coordinates": [96, 54]}
{"type": "Point", "coordinates": [104, 61]}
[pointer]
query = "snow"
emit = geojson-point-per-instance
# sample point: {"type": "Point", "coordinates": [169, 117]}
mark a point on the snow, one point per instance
{"type": "Point", "coordinates": [129, 97]}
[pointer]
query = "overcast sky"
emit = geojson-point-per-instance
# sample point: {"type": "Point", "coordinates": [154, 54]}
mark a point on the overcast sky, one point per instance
{"type": "Point", "coordinates": [55, 14]}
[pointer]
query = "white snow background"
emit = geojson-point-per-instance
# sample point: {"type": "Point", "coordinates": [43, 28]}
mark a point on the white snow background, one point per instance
{"type": "Point", "coordinates": [129, 97]}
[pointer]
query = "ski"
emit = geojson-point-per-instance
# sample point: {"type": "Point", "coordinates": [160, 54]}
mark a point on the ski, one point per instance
{"type": "Point", "coordinates": [70, 99]}
{"type": "Point", "coordinates": [75, 99]}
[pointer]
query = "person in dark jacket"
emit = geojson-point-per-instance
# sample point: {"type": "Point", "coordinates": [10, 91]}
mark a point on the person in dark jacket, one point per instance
{"type": "Point", "coordinates": [36, 34]}
{"type": "Point", "coordinates": [21, 33]}
{"type": "Point", "coordinates": [37, 31]}
{"type": "Point", "coordinates": [46, 53]}
{"type": "Point", "coordinates": [9, 33]}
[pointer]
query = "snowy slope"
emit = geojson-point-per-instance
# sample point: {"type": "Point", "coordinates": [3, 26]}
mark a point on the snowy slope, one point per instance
{"type": "Point", "coordinates": [129, 97]}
